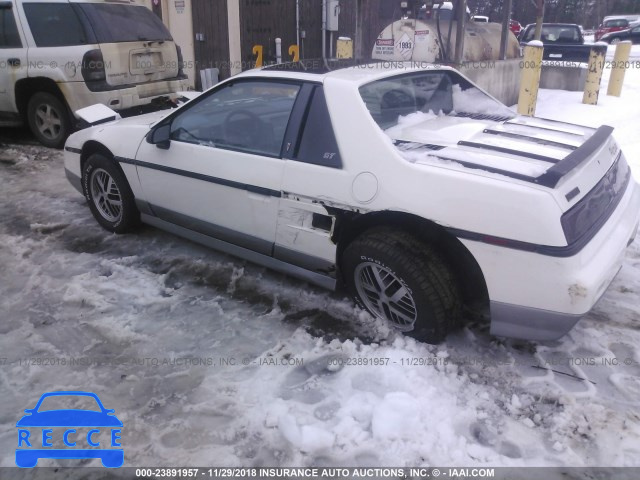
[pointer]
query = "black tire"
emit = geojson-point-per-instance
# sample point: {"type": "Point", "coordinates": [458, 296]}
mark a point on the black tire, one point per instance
{"type": "Point", "coordinates": [110, 198]}
{"type": "Point", "coordinates": [49, 119]}
{"type": "Point", "coordinates": [614, 41]}
{"type": "Point", "coordinates": [409, 264]}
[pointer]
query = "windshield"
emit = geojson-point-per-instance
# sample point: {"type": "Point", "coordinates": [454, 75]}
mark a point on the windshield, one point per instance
{"type": "Point", "coordinates": [124, 23]}
{"type": "Point", "coordinates": [65, 402]}
{"type": "Point", "coordinates": [435, 92]}
{"type": "Point", "coordinates": [555, 34]}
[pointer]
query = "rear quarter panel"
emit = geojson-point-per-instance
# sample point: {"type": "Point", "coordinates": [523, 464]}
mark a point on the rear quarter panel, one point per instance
{"type": "Point", "coordinates": [472, 200]}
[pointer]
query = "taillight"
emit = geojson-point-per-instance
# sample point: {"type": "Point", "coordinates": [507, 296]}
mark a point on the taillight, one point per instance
{"type": "Point", "coordinates": [180, 61]}
{"type": "Point", "coordinates": [93, 66]}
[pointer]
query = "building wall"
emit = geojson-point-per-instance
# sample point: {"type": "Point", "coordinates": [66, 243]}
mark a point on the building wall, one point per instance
{"type": "Point", "coordinates": [221, 33]}
{"type": "Point", "coordinates": [177, 16]}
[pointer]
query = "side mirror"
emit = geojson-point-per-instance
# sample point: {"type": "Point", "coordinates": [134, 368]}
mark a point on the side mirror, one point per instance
{"type": "Point", "coordinates": [160, 136]}
{"type": "Point", "coordinates": [5, 5]}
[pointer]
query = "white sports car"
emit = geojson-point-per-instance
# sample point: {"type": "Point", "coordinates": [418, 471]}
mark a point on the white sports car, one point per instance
{"type": "Point", "coordinates": [425, 196]}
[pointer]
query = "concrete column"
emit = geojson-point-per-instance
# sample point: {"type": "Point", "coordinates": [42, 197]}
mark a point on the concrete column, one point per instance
{"type": "Point", "coordinates": [235, 47]}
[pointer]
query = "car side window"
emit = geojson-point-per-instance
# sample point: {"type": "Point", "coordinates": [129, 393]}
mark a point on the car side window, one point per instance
{"type": "Point", "coordinates": [54, 24]}
{"type": "Point", "coordinates": [9, 37]}
{"type": "Point", "coordinates": [250, 116]}
{"type": "Point", "coordinates": [318, 145]}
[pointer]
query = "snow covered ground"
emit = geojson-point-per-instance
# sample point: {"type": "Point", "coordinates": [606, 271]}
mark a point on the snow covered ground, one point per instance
{"type": "Point", "coordinates": [212, 361]}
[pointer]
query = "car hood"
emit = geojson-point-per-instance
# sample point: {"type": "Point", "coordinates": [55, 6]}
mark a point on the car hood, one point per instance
{"type": "Point", "coordinates": [616, 32]}
{"type": "Point", "coordinates": [145, 120]}
{"type": "Point", "coordinates": [69, 418]}
{"type": "Point", "coordinates": [122, 137]}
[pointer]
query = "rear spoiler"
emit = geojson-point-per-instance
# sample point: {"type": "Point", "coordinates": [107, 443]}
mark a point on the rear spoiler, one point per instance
{"type": "Point", "coordinates": [97, 114]}
{"type": "Point", "coordinates": [552, 176]}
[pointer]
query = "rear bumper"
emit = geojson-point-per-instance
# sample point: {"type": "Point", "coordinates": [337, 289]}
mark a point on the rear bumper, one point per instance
{"type": "Point", "coordinates": [539, 297]}
{"type": "Point", "coordinates": [79, 96]}
{"type": "Point", "coordinates": [530, 323]}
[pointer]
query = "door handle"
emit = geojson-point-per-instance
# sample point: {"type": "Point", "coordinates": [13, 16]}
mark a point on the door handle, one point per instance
{"type": "Point", "coordinates": [14, 62]}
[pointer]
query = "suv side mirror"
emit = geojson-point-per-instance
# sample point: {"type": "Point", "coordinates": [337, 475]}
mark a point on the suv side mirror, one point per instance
{"type": "Point", "coordinates": [5, 5]}
{"type": "Point", "coordinates": [160, 136]}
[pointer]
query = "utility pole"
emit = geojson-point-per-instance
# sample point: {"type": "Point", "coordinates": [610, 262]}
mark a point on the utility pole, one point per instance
{"type": "Point", "coordinates": [504, 36]}
{"type": "Point", "coordinates": [539, 18]}
{"type": "Point", "coordinates": [460, 21]}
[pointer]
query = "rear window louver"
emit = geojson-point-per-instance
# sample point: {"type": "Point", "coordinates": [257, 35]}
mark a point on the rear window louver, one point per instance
{"type": "Point", "coordinates": [484, 116]}
{"type": "Point", "coordinates": [408, 146]}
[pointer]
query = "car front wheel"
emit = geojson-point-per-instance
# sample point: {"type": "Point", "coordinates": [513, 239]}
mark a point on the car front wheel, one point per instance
{"type": "Point", "coordinates": [110, 198]}
{"type": "Point", "coordinates": [614, 41]}
{"type": "Point", "coordinates": [404, 281]}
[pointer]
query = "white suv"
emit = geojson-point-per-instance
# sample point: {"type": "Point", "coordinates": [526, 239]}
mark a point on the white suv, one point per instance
{"type": "Point", "coordinates": [62, 55]}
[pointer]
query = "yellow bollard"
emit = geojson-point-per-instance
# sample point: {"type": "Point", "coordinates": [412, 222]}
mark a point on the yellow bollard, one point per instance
{"type": "Point", "coordinates": [530, 80]}
{"type": "Point", "coordinates": [620, 64]}
{"type": "Point", "coordinates": [594, 73]}
{"type": "Point", "coordinates": [294, 51]}
{"type": "Point", "coordinates": [344, 48]}
{"type": "Point", "coordinates": [257, 50]}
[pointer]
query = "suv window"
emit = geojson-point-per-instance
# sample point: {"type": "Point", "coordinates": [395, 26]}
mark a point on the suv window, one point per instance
{"type": "Point", "coordinates": [250, 116]}
{"type": "Point", "coordinates": [9, 37]}
{"type": "Point", "coordinates": [124, 23]}
{"type": "Point", "coordinates": [54, 24]}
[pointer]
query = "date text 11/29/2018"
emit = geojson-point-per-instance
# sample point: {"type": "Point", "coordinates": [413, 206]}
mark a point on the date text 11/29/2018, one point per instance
{"type": "Point", "coordinates": [304, 473]}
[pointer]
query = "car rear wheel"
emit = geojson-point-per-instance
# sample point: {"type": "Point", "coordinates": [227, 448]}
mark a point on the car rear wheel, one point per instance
{"type": "Point", "coordinates": [615, 40]}
{"type": "Point", "coordinates": [48, 119]}
{"type": "Point", "coordinates": [404, 281]}
{"type": "Point", "coordinates": [110, 198]}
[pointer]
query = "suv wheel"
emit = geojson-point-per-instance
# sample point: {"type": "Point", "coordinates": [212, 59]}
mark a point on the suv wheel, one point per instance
{"type": "Point", "coordinates": [402, 280]}
{"type": "Point", "coordinates": [110, 198]}
{"type": "Point", "coordinates": [48, 119]}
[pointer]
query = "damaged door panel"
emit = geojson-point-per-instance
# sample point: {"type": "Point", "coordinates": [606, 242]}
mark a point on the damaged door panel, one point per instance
{"type": "Point", "coordinates": [302, 226]}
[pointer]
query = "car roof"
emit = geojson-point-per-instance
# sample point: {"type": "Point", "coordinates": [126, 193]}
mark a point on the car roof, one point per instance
{"type": "Point", "coordinates": [631, 18]}
{"type": "Point", "coordinates": [358, 73]}
{"type": "Point", "coordinates": [555, 25]}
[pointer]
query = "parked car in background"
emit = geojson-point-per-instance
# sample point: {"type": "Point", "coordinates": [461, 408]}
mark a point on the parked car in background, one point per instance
{"type": "Point", "coordinates": [515, 27]}
{"type": "Point", "coordinates": [58, 57]}
{"type": "Point", "coordinates": [631, 34]}
{"type": "Point", "coordinates": [615, 23]}
{"type": "Point", "coordinates": [562, 41]}
{"type": "Point", "coordinates": [480, 19]}
{"type": "Point", "coordinates": [425, 196]}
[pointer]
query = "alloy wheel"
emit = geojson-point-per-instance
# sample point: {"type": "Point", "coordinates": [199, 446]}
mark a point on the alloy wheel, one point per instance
{"type": "Point", "coordinates": [385, 295]}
